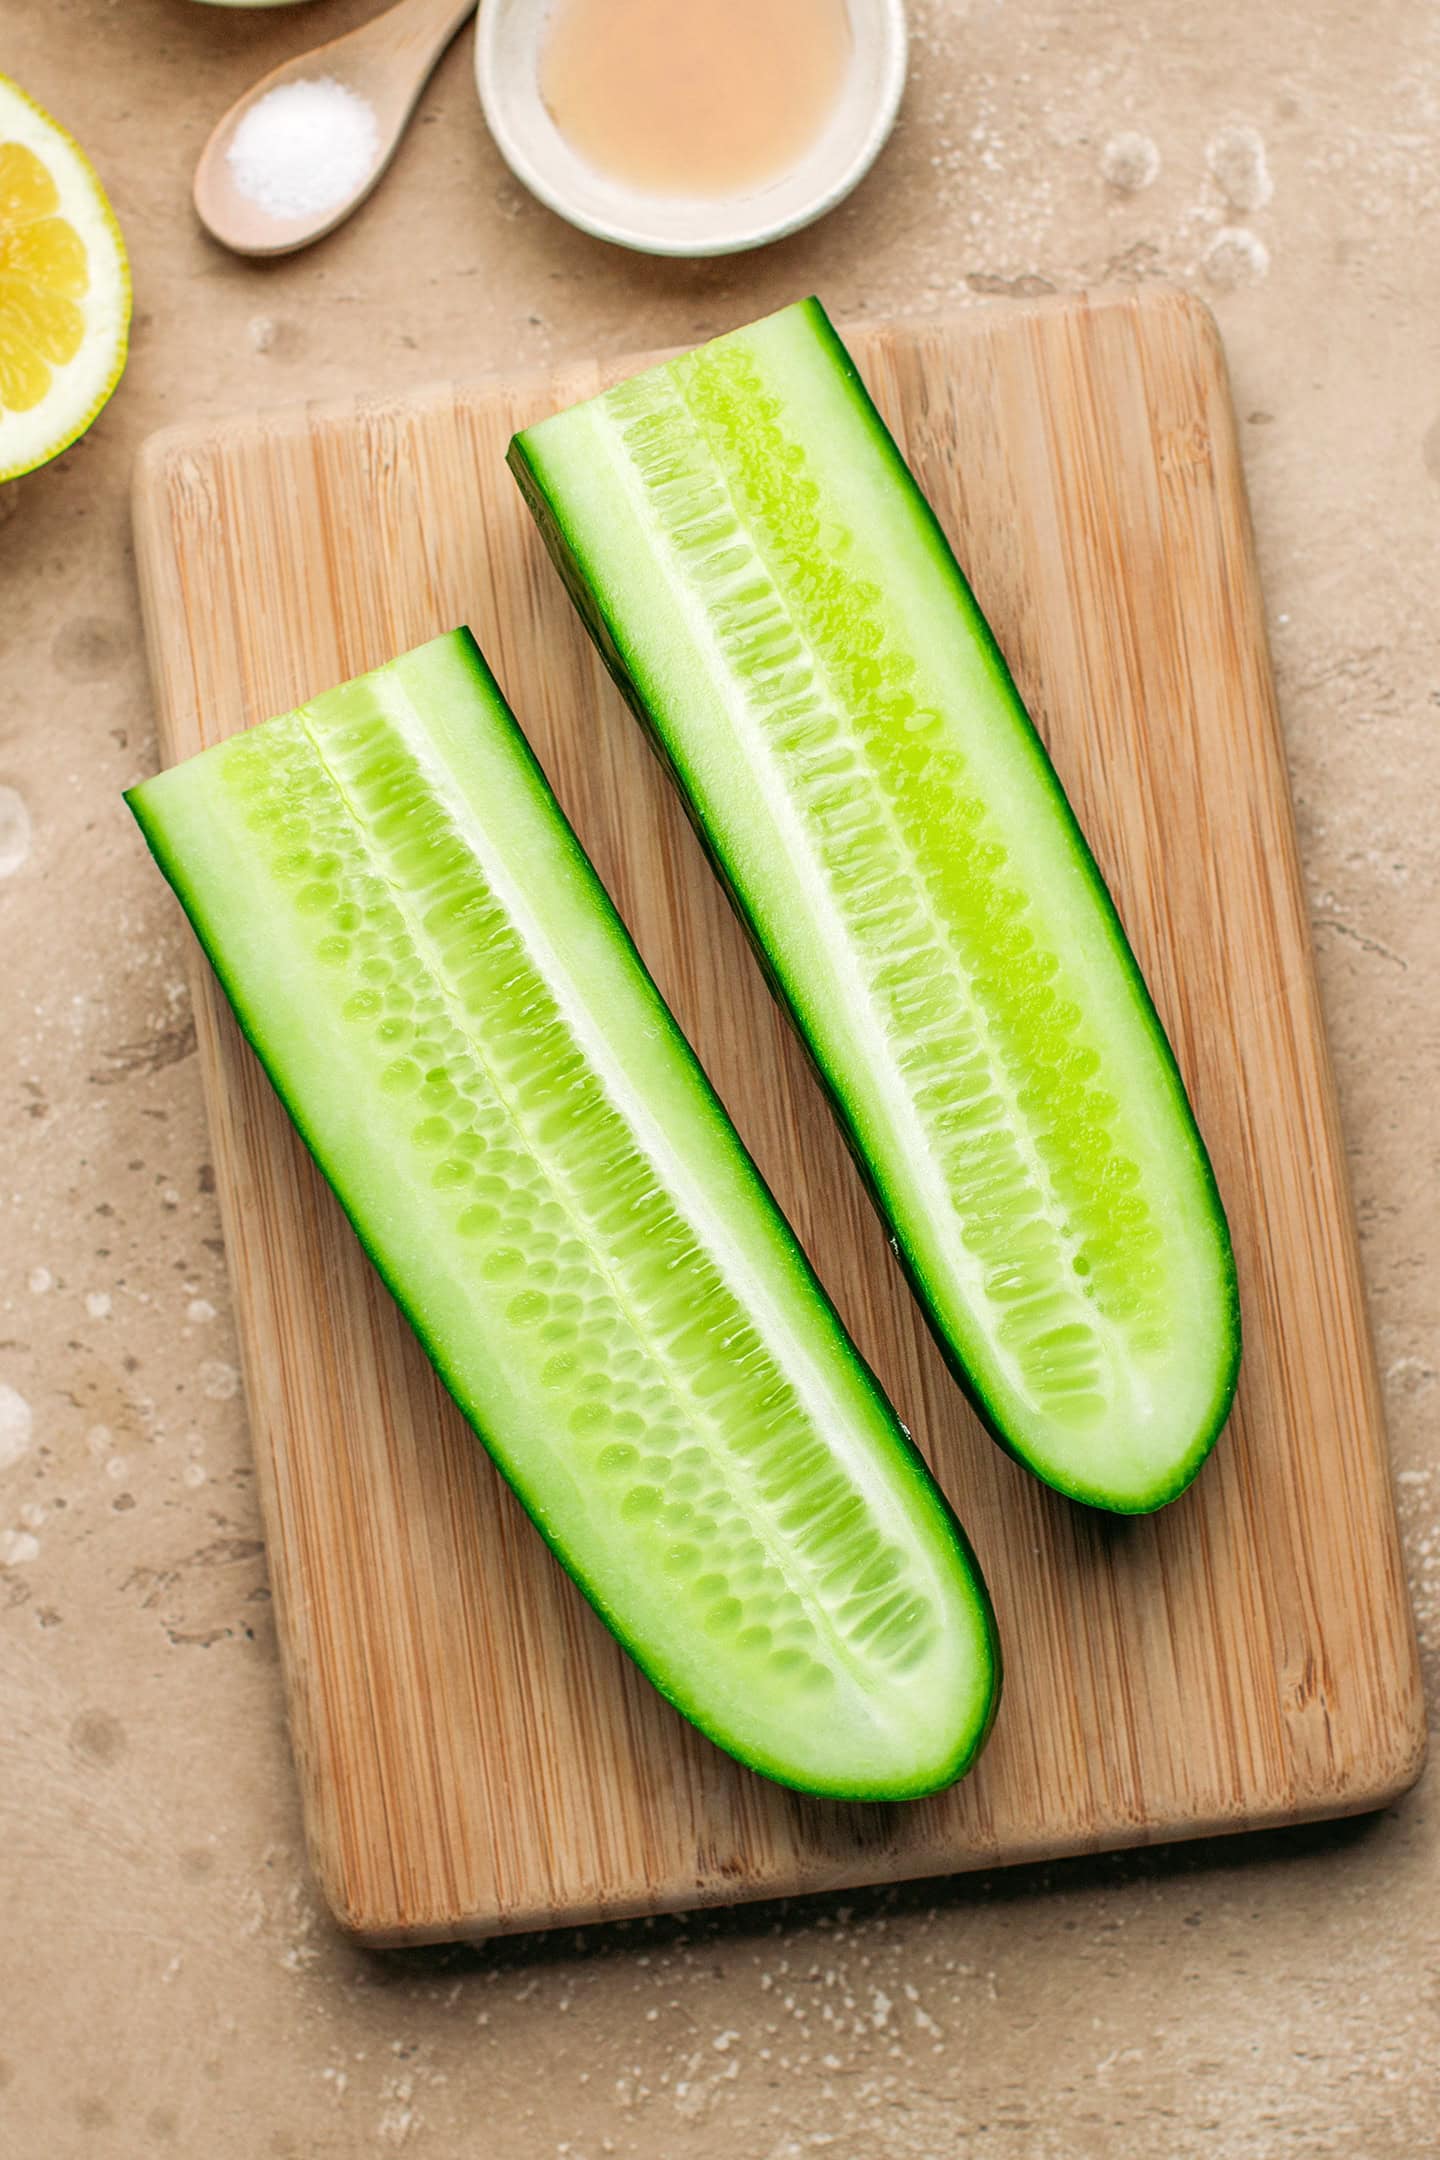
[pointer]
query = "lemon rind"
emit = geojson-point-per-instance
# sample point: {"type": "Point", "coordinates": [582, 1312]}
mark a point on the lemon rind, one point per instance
{"type": "Point", "coordinates": [81, 191]}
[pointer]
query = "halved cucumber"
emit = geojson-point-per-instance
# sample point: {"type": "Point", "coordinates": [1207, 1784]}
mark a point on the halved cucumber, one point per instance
{"type": "Point", "coordinates": [456, 1019]}
{"type": "Point", "coordinates": [774, 595]}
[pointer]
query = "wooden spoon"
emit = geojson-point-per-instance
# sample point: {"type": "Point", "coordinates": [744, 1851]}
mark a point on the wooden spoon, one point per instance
{"type": "Point", "coordinates": [388, 63]}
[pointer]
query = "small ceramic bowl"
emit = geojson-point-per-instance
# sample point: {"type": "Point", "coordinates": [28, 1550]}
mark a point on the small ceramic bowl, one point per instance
{"type": "Point", "coordinates": [508, 42]}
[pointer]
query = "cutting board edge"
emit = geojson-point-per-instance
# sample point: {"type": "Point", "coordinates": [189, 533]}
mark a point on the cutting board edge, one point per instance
{"type": "Point", "coordinates": [375, 1931]}
{"type": "Point", "coordinates": [165, 447]}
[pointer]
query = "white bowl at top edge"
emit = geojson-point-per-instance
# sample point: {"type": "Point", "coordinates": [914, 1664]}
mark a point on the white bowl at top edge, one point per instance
{"type": "Point", "coordinates": [507, 47]}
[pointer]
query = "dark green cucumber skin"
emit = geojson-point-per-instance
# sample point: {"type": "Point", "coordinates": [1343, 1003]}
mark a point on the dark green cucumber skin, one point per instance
{"type": "Point", "coordinates": [610, 641]}
{"type": "Point", "coordinates": [647, 1661]}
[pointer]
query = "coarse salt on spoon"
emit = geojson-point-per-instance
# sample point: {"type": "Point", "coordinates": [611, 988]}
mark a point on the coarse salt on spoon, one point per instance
{"type": "Point", "coordinates": [306, 144]}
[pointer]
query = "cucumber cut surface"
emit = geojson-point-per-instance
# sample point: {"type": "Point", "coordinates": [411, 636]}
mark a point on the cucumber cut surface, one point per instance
{"type": "Point", "coordinates": [774, 595]}
{"type": "Point", "coordinates": [455, 1017]}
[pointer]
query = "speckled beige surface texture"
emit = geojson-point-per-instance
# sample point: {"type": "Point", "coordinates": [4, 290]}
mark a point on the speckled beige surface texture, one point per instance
{"type": "Point", "coordinates": [169, 1982]}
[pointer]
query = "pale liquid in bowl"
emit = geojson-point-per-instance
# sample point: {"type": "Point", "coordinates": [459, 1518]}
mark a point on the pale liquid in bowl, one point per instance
{"type": "Point", "coordinates": [694, 97]}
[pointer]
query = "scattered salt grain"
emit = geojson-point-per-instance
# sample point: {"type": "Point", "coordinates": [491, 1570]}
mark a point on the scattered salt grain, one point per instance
{"type": "Point", "coordinates": [1129, 162]}
{"type": "Point", "coordinates": [1236, 157]}
{"type": "Point", "coordinates": [1236, 257]}
{"type": "Point", "coordinates": [14, 831]}
{"type": "Point", "coordinates": [16, 1425]}
{"type": "Point", "coordinates": [304, 148]}
{"type": "Point", "coordinates": [219, 1382]}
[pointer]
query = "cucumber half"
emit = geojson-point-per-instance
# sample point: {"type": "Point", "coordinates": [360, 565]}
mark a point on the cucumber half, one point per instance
{"type": "Point", "coordinates": [457, 1021]}
{"type": "Point", "coordinates": [775, 597]}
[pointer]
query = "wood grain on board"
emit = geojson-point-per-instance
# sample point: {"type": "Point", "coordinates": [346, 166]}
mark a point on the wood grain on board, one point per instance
{"type": "Point", "coordinates": [476, 1753]}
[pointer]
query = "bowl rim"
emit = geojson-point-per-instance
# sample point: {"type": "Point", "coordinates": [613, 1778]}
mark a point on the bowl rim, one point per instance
{"type": "Point", "coordinates": [884, 105]}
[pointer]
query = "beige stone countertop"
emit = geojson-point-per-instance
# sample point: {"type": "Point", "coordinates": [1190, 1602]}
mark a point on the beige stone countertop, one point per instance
{"type": "Point", "coordinates": [170, 1982]}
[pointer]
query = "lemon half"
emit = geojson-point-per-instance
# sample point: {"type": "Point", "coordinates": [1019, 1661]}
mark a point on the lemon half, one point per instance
{"type": "Point", "coordinates": [64, 288]}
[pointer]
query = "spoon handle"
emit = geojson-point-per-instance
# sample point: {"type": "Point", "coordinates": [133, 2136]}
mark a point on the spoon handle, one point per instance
{"type": "Point", "coordinates": [413, 30]}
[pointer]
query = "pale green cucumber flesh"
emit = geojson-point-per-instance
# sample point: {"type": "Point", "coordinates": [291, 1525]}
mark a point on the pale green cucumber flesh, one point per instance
{"type": "Point", "coordinates": [776, 598]}
{"type": "Point", "coordinates": [425, 962]}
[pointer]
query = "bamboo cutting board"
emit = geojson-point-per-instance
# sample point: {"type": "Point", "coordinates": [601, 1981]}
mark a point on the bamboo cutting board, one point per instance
{"type": "Point", "coordinates": [475, 1752]}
